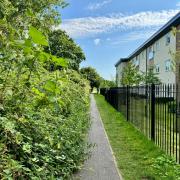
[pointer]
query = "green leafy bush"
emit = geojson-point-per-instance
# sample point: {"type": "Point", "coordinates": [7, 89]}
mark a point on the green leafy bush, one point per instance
{"type": "Point", "coordinates": [43, 115]}
{"type": "Point", "coordinates": [44, 134]}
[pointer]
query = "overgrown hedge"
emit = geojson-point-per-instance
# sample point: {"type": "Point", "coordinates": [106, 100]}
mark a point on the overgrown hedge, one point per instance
{"type": "Point", "coordinates": [43, 114]}
{"type": "Point", "coordinates": [43, 137]}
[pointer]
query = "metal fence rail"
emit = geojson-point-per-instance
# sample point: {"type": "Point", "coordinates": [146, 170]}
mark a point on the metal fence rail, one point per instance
{"type": "Point", "coordinates": [154, 110]}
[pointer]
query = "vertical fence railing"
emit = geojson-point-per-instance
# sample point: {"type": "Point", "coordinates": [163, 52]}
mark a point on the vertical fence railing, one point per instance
{"type": "Point", "coordinates": [153, 112]}
{"type": "Point", "coordinates": [153, 109]}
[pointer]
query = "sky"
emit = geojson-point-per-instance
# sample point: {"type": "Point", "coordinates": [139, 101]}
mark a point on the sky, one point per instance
{"type": "Point", "coordinates": [108, 30]}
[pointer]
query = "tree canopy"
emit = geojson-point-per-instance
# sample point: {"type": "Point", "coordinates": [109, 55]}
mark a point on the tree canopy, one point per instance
{"type": "Point", "coordinates": [61, 45]}
{"type": "Point", "coordinates": [95, 79]}
{"type": "Point", "coordinates": [131, 75]}
{"type": "Point", "coordinates": [151, 77]}
{"type": "Point", "coordinates": [107, 83]}
{"type": "Point", "coordinates": [92, 75]}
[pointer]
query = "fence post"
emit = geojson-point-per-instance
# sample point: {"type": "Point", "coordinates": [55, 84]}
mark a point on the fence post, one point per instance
{"type": "Point", "coordinates": [153, 112]}
{"type": "Point", "coordinates": [127, 103]}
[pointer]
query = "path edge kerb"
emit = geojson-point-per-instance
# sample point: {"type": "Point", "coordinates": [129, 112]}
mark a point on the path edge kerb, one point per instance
{"type": "Point", "coordinates": [114, 158]}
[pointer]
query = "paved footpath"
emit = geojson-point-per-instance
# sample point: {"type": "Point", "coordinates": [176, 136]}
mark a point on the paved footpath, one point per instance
{"type": "Point", "coordinates": [101, 165]}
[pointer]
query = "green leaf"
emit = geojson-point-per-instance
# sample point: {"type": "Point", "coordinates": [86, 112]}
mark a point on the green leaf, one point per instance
{"type": "Point", "coordinates": [7, 125]}
{"type": "Point", "coordinates": [25, 45]}
{"type": "Point", "coordinates": [29, 13]}
{"type": "Point", "coordinates": [18, 138]}
{"type": "Point", "coordinates": [52, 99]}
{"type": "Point", "coordinates": [27, 50]}
{"type": "Point", "coordinates": [34, 159]}
{"type": "Point", "coordinates": [7, 171]}
{"type": "Point", "coordinates": [50, 141]}
{"type": "Point", "coordinates": [60, 61]}
{"type": "Point", "coordinates": [40, 169]}
{"type": "Point", "coordinates": [37, 36]}
{"type": "Point", "coordinates": [27, 148]}
{"type": "Point", "coordinates": [18, 43]}
{"type": "Point", "coordinates": [28, 43]}
{"type": "Point", "coordinates": [50, 86]}
{"type": "Point", "coordinates": [37, 92]}
{"type": "Point", "coordinates": [43, 56]}
{"type": "Point", "coordinates": [59, 145]}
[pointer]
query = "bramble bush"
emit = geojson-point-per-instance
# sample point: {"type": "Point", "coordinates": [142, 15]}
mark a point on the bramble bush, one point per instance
{"type": "Point", "coordinates": [43, 115]}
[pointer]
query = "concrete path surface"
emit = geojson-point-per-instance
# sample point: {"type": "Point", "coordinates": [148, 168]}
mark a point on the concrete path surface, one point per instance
{"type": "Point", "coordinates": [101, 165]}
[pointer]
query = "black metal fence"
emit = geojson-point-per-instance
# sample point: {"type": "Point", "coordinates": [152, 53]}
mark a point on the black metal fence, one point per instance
{"type": "Point", "coordinates": [154, 110]}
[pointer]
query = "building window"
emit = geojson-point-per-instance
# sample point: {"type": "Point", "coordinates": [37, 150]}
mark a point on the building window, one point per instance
{"type": "Point", "coordinates": [151, 53]}
{"type": "Point", "coordinates": [168, 39]}
{"type": "Point", "coordinates": [136, 61]}
{"type": "Point", "coordinates": [157, 45]}
{"type": "Point", "coordinates": [157, 69]}
{"type": "Point", "coordinates": [167, 65]}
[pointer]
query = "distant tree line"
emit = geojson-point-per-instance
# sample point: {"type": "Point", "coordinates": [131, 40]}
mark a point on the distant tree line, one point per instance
{"type": "Point", "coordinates": [96, 81]}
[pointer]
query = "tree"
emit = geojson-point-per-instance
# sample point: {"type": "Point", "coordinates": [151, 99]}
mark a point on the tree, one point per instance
{"type": "Point", "coordinates": [131, 75]}
{"type": "Point", "coordinates": [61, 45]}
{"type": "Point", "coordinates": [151, 77]}
{"type": "Point", "coordinates": [21, 14]}
{"type": "Point", "coordinates": [107, 83]}
{"type": "Point", "coordinates": [91, 74]}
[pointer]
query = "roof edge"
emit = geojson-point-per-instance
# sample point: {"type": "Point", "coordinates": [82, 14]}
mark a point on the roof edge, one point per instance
{"type": "Point", "coordinates": [175, 21]}
{"type": "Point", "coordinates": [121, 60]}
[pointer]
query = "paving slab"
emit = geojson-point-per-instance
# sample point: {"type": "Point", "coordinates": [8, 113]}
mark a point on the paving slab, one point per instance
{"type": "Point", "coordinates": [101, 165]}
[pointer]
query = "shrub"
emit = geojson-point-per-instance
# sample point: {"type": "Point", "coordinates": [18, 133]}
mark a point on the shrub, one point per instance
{"type": "Point", "coordinates": [43, 115]}
{"type": "Point", "coordinates": [44, 136]}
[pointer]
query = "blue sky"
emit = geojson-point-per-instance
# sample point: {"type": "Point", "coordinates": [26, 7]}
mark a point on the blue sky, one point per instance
{"type": "Point", "coordinates": [108, 30]}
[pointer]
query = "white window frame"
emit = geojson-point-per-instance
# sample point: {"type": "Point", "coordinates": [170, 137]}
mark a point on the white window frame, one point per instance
{"type": "Point", "coordinates": [168, 39]}
{"type": "Point", "coordinates": [137, 61]}
{"type": "Point", "coordinates": [157, 68]}
{"type": "Point", "coordinates": [157, 45]}
{"type": "Point", "coordinates": [150, 53]}
{"type": "Point", "coordinates": [168, 65]}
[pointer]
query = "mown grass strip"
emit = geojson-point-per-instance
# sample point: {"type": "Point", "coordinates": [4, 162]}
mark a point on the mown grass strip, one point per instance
{"type": "Point", "coordinates": [136, 156]}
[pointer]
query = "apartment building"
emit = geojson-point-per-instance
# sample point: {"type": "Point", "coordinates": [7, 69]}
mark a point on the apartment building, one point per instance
{"type": "Point", "coordinates": [156, 54]}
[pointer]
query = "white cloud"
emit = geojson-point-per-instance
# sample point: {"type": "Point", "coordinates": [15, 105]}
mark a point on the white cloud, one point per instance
{"type": "Point", "coordinates": [96, 6]}
{"type": "Point", "coordinates": [90, 26]}
{"type": "Point", "coordinates": [97, 41]}
{"type": "Point", "coordinates": [133, 36]}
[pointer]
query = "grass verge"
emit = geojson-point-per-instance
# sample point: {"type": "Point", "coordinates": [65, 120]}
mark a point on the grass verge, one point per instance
{"type": "Point", "coordinates": [136, 156]}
